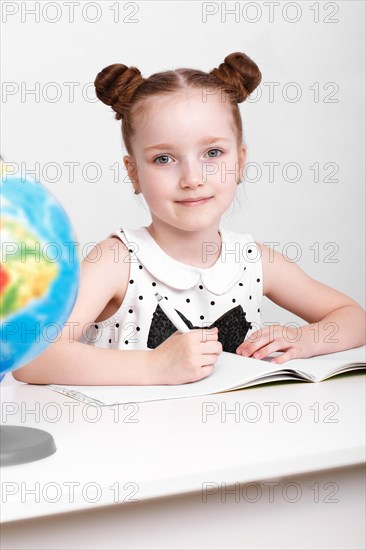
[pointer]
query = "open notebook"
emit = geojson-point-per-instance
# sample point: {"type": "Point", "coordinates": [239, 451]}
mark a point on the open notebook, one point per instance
{"type": "Point", "coordinates": [232, 372]}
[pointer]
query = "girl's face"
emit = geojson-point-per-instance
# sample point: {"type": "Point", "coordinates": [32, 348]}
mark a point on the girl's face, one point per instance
{"type": "Point", "coordinates": [185, 148]}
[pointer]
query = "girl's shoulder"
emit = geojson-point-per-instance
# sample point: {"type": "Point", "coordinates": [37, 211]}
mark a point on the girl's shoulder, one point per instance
{"type": "Point", "coordinates": [277, 269]}
{"type": "Point", "coordinates": [103, 279]}
{"type": "Point", "coordinates": [120, 265]}
{"type": "Point", "coordinates": [272, 261]}
{"type": "Point", "coordinates": [286, 284]}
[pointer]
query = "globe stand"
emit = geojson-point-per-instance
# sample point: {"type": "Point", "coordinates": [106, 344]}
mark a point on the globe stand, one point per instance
{"type": "Point", "coordinates": [19, 444]}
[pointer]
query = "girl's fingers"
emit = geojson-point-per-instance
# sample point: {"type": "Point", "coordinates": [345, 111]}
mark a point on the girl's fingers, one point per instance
{"type": "Point", "coordinates": [269, 343]}
{"type": "Point", "coordinates": [271, 340]}
{"type": "Point", "coordinates": [277, 345]}
{"type": "Point", "coordinates": [290, 354]}
{"type": "Point", "coordinates": [249, 348]}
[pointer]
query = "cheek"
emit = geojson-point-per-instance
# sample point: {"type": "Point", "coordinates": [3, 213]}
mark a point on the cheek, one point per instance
{"type": "Point", "coordinates": [227, 194]}
{"type": "Point", "coordinates": [226, 186]}
{"type": "Point", "coordinates": [226, 173]}
{"type": "Point", "coordinates": [154, 194]}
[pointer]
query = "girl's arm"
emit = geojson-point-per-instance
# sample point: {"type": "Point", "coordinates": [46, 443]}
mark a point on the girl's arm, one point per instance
{"type": "Point", "coordinates": [335, 321]}
{"type": "Point", "coordinates": [78, 364]}
{"type": "Point", "coordinates": [70, 362]}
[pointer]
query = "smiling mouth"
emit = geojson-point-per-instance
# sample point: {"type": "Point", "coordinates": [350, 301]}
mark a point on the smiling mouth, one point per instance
{"type": "Point", "coordinates": [194, 202]}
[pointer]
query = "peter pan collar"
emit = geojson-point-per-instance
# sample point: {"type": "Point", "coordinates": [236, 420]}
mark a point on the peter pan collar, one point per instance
{"type": "Point", "coordinates": [218, 278]}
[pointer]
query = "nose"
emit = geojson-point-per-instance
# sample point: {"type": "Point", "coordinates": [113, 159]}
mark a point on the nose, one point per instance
{"type": "Point", "coordinates": [191, 175]}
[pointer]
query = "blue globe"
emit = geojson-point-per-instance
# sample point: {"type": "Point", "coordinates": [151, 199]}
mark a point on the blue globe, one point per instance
{"type": "Point", "coordinates": [39, 270]}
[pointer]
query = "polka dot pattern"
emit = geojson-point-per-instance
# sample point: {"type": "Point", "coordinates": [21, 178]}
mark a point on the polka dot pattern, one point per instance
{"type": "Point", "coordinates": [134, 324]}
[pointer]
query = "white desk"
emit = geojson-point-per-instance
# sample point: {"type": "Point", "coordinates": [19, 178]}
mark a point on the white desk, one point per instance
{"type": "Point", "coordinates": [299, 484]}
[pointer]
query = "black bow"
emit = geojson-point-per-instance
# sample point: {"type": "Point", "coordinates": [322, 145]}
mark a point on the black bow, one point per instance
{"type": "Point", "coordinates": [232, 326]}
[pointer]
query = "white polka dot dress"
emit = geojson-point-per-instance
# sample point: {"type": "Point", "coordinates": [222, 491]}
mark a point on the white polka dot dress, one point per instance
{"type": "Point", "coordinates": [227, 295]}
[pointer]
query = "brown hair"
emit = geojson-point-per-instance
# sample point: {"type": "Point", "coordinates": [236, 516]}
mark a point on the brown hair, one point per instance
{"type": "Point", "coordinates": [124, 89]}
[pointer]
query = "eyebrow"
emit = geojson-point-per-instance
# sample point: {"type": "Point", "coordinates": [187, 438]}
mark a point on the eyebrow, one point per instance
{"type": "Point", "coordinates": [204, 141]}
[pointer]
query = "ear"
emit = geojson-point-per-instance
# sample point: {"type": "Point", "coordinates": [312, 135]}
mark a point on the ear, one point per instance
{"type": "Point", "coordinates": [242, 155]}
{"type": "Point", "coordinates": [131, 167]}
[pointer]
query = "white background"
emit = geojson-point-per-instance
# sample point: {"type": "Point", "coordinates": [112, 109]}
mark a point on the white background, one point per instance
{"type": "Point", "coordinates": [158, 36]}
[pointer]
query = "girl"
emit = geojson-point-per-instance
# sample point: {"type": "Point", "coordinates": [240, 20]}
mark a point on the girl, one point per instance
{"type": "Point", "coordinates": [183, 133]}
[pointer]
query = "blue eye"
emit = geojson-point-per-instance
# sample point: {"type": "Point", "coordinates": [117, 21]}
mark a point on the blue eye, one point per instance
{"type": "Point", "coordinates": [210, 151]}
{"type": "Point", "coordinates": [167, 156]}
{"type": "Point", "coordinates": [161, 157]}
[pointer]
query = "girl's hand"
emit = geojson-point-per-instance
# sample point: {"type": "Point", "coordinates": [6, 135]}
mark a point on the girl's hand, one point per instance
{"type": "Point", "coordinates": [187, 357]}
{"type": "Point", "coordinates": [294, 342]}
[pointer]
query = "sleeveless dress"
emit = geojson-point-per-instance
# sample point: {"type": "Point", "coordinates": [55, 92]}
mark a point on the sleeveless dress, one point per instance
{"type": "Point", "coordinates": [227, 295]}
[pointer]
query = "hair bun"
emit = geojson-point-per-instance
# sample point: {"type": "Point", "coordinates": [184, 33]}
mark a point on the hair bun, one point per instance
{"type": "Point", "coordinates": [116, 84]}
{"type": "Point", "coordinates": [239, 74]}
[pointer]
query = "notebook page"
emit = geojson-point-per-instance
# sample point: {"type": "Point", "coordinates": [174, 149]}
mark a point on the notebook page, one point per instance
{"type": "Point", "coordinates": [321, 367]}
{"type": "Point", "coordinates": [231, 371]}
